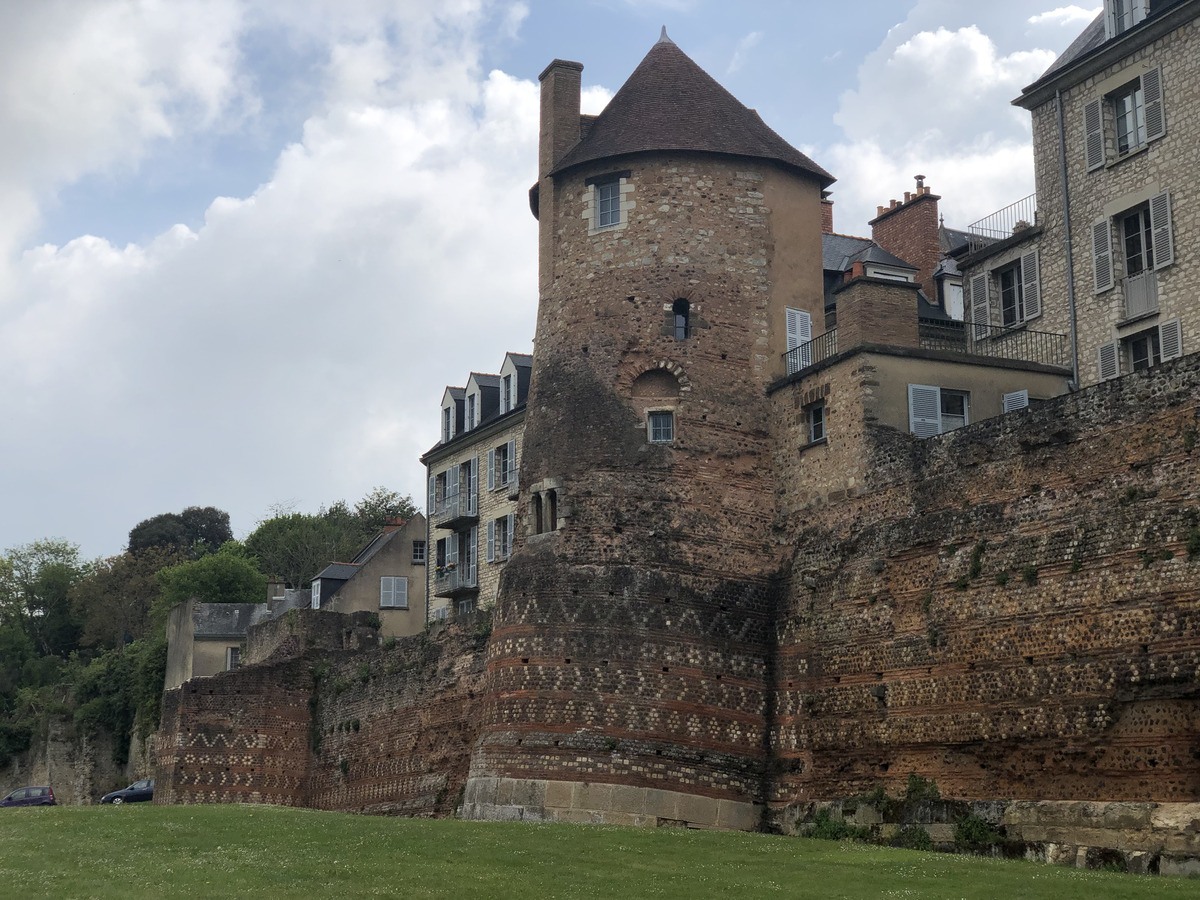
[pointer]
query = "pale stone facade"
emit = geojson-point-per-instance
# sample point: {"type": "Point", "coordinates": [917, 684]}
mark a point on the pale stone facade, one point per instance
{"type": "Point", "coordinates": [1115, 304]}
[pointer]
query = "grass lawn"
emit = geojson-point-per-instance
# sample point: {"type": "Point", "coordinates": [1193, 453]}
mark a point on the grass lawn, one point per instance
{"type": "Point", "coordinates": [145, 851]}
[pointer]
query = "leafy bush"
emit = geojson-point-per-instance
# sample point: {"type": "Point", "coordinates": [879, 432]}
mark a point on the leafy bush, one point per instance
{"type": "Point", "coordinates": [913, 837]}
{"type": "Point", "coordinates": [921, 790]}
{"type": "Point", "coordinates": [973, 833]}
{"type": "Point", "coordinates": [827, 828]}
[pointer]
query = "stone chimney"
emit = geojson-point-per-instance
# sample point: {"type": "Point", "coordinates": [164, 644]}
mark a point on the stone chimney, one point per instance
{"type": "Point", "coordinates": [826, 213]}
{"type": "Point", "coordinates": [560, 129]}
{"type": "Point", "coordinates": [909, 230]}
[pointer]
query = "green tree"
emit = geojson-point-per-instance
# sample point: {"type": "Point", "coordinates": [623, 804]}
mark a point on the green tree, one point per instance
{"type": "Point", "coordinates": [35, 585]}
{"type": "Point", "coordinates": [373, 510]}
{"type": "Point", "coordinates": [196, 530]}
{"type": "Point", "coordinates": [228, 576]}
{"type": "Point", "coordinates": [113, 602]}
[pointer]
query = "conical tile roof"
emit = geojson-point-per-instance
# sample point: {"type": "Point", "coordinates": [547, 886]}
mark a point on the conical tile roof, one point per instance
{"type": "Point", "coordinates": [670, 103]}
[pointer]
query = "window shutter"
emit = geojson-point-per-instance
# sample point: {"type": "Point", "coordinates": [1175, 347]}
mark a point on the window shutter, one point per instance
{"type": "Point", "coordinates": [511, 473]}
{"type": "Point", "coordinates": [1156, 121]}
{"type": "Point", "coordinates": [1093, 134]}
{"type": "Point", "coordinates": [1102, 270]}
{"type": "Point", "coordinates": [452, 481]}
{"type": "Point", "coordinates": [981, 316]}
{"type": "Point", "coordinates": [1140, 9]}
{"type": "Point", "coordinates": [1110, 21]}
{"type": "Point", "coordinates": [491, 470]}
{"type": "Point", "coordinates": [474, 487]}
{"type": "Point", "coordinates": [1160, 230]}
{"type": "Point", "coordinates": [400, 591]}
{"type": "Point", "coordinates": [799, 333]}
{"type": "Point", "coordinates": [385, 591]}
{"type": "Point", "coordinates": [510, 535]}
{"type": "Point", "coordinates": [432, 493]}
{"type": "Point", "coordinates": [1109, 358]}
{"type": "Point", "coordinates": [472, 547]}
{"type": "Point", "coordinates": [924, 410]}
{"type": "Point", "coordinates": [452, 550]}
{"type": "Point", "coordinates": [1016, 400]}
{"type": "Point", "coordinates": [491, 540]}
{"type": "Point", "coordinates": [1170, 340]}
{"type": "Point", "coordinates": [1032, 287]}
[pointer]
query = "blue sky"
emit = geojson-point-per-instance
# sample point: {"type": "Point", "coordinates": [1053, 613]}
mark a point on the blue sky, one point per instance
{"type": "Point", "coordinates": [247, 243]}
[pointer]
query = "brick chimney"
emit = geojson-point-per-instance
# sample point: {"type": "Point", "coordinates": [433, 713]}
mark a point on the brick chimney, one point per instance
{"type": "Point", "coordinates": [559, 130]}
{"type": "Point", "coordinates": [826, 213]}
{"type": "Point", "coordinates": [909, 230]}
{"type": "Point", "coordinates": [393, 523]}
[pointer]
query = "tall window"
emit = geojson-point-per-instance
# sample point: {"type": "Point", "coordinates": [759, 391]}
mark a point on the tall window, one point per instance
{"type": "Point", "coordinates": [1012, 306]}
{"type": "Point", "coordinates": [662, 427]}
{"type": "Point", "coordinates": [682, 313]}
{"type": "Point", "coordinates": [471, 411]}
{"type": "Point", "coordinates": [1139, 245]}
{"type": "Point", "coordinates": [608, 204]}
{"type": "Point", "coordinates": [233, 658]}
{"type": "Point", "coordinates": [552, 510]}
{"type": "Point", "coordinates": [446, 423]}
{"type": "Point", "coordinates": [816, 422]}
{"type": "Point", "coordinates": [1129, 112]}
{"type": "Point", "coordinates": [508, 393]}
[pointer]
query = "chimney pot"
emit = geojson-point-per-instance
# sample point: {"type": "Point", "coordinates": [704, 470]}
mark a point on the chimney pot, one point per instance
{"type": "Point", "coordinates": [908, 196]}
{"type": "Point", "coordinates": [920, 182]}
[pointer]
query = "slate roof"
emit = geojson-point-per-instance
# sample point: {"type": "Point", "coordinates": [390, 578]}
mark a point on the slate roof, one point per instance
{"type": "Point", "coordinates": [524, 360]}
{"type": "Point", "coordinates": [840, 251]}
{"type": "Point", "coordinates": [484, 380]}
{"type": "Point", "coordinates": [670, 103]}
{"type": "Point", "coordinates": [338, 571]}
{"type": "Point", "coordinates": [377, 543]}
{"type": "Point", "coordinates": [1091, 38]}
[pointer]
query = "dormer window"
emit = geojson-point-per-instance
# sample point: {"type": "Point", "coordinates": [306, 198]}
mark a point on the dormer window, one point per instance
{"type": "Point", "coordinates": [506, 393]}
{"type": "Point", "coordinates": [447, 424]}
{"type": "Point", "coordinates": [471, 407]}
{"type": "Point", "coordinates": [1121, 15]}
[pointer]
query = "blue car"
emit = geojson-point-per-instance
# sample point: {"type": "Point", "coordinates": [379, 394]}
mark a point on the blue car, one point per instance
{"type": "Point", "coordinates": [30, 796]}
{"type": "Point", "coordinates": [137, 792]}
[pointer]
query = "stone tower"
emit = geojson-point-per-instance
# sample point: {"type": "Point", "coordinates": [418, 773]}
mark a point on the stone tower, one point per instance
{"type": "Point", "coordinates": [630, 663]}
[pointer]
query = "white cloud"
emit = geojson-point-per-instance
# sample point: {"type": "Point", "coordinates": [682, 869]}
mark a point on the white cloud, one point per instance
{"type": "Point", "coordinates": [743, 48]}
{"type": "Point", "coordinates": [1066, 15]}
{"type": "Point", "coordinates": [935, 103]}
{"type": "Point", "coordinates": [295, 344]}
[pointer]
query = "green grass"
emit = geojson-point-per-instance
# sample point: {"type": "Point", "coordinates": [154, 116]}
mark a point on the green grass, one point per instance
{"type": "Point", "coordinates": [269, 852]}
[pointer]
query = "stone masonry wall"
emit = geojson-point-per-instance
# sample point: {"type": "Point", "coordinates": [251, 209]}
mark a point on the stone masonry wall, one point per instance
{"type": "Point", "coordinates": [1011, 609]}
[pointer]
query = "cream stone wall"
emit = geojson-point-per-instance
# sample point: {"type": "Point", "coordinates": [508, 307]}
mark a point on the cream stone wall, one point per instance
{"type": "Point", "coordinates": [1171, 163]}
{"type": "Point", "coordinates": [363, 591]}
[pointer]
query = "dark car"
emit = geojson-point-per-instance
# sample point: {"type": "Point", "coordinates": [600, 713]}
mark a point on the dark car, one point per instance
{"type": "Point", "coordinates": [135, 793]}
{"type": "Point", "coordinates": [30, 796]}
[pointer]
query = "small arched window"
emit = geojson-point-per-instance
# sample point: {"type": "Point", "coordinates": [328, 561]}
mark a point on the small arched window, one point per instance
{"type": "Point", "coordinates": [682, 313]}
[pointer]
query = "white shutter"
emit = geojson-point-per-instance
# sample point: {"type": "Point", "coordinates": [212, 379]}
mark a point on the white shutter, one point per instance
{"type": "Point", "coordinates": [1109, 360]}
{"type": "Point", "coordinates": [1110, 21]}
{"type": "Point", "coordinates": [799, 333]}
{"type": "Point", "coordinates": [511, 474]}
{"type": "Point", "coordinates": [1102, 268]}
{"type": "Point", "coordinates": [386, 597]}
{"type": "Point", "coordinates": [432, 494]}
{"type": "Point", "coordinates": [316, 593]}
{"type": "Point", "coordinates": [491, 470]}
{"type": "Point", "coordinates": [1093, 134]}
{"type": "Point", "coordinates": [1016, 400]}
{"type": "Point", "coordinates": [1160, 230]}
{"type": "Point", "coordinates": [400, 591]}
{"type": "Point", "coordinates": [1170, 340]}
{"type": "Point", "coordinates": [1140, 9]}
{"type": "Point", "coordinates": [509, 551]}
{"type": "Point", "coordinates": [491, 540]}
{"type": "Point", "coordinates": [924, 410]}
{"type": "Point", "coordinates": [452, 481]}
{"type": "Point", "coordinates": [1032, 288]}
{"type": "Point", "coordinates": [1156, 121]}
{"type": "Point", "coordinates": [981, 316]}
{"type": "Point", "coordinates": [452, 550]}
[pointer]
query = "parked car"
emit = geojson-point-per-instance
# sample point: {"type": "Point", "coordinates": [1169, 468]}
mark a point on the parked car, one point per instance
{"type": "Point", "coordinates": [30, 796]}
{"type": "Point", "coordinates": [135, 793]}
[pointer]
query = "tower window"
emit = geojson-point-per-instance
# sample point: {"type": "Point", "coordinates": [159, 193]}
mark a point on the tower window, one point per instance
{"type": "Point", "coordinates": [682, 314]}
{"type": "Point", "coordinates": [608, 204]}
{"type": "Point", "coordinates": [662, 427]}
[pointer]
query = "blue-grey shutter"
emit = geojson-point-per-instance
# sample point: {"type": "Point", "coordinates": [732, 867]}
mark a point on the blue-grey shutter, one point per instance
{"type": "Point", "coordinates": [981, 316]}
{"type": "Point", "coordinates": [491, 470]}
{"type": "Point", "coordinates": [1156, 121]}
{"type": "Point", "coordinates": [509, 549]}
{"type": "Point", "coordinates": [491, 540]}
{"type": "Point", "coordinates": [385, 591]}
{"type": "Point", "coordinates": [1031, 286]}
{"type": "Point", "coordinates": [1160, 230]}
{"type": "Point", "coordinates": [1016, 400]}
{"type": "Point", "coordinates": [511, 471]}
{"type": "Point", "coordinates": [1109, 360]}
{"type": "Point", "coordinates": [924, 410]}
{"type": "Point", "coordinates": [1102, 267]}
{"type": "Point", "coordinates": [1170, 340]}
{"type": "Point", "coordinates": [432, 494]}
{"type": "Point", "coordinates": [1093, 134]}
{"type": "Point", "coordinates": [400, 591]}
{"type": "Point", "coordinates": [473, 486]}
{"type": "Point", "coordinates": [474, 545]}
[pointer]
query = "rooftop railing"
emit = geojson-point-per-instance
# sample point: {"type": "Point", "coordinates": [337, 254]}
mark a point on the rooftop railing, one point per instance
{"type": "Point", "coordinates": [812, 352]}
{"type": "Point", "coordinates": [1018, 344]}
{"type": "Point", "coordinates": [1004, 223]}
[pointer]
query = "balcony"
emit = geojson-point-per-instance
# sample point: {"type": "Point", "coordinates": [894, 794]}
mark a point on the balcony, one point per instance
{"type": "Point", "coordinates": [1017, 344]}
{"type": "Point", "coordinates": [809, 354]}
{"type": "Point", "coordinates": [1141, 295]}
{"type": "Point", "coordinates": [454, 579]}
{"type": "Point", "coordinates": [456, 508]}
{"type": "Point", "coordinates": [1002, 224]}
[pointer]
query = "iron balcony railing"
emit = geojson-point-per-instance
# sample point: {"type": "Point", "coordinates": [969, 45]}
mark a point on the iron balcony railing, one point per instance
{"type": "Point", "coordinates": [1004, 223]}
{"type": "Point", "coordinates": [1019, 344]}
{"type": "Point", "coordinates": [454, 578]}
{"type": "Point", "coordinates": [809, 354]}
{"type": "Point", "coordinates": [456, 505]}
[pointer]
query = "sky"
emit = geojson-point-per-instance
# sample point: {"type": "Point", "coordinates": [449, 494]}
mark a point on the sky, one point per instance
{"type": "Point", "coordinates": [245, 244]}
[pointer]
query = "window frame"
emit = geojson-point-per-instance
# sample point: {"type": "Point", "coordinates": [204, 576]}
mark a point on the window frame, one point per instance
{"type": "Point", "coordinates": [1011, 295]}
{"type": "Point", "coordinates": [654, 427]}
{"type": "Point", "coordinates": [420, 552]}
{"type": "Point", "coordinates": [924, 411]}
{"type": "Point", "coordinates": [607, 203]}
{"type": "Point", "coordinates": [388, 585]}
{"type": "Point", "coordinates": [817, 425]}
